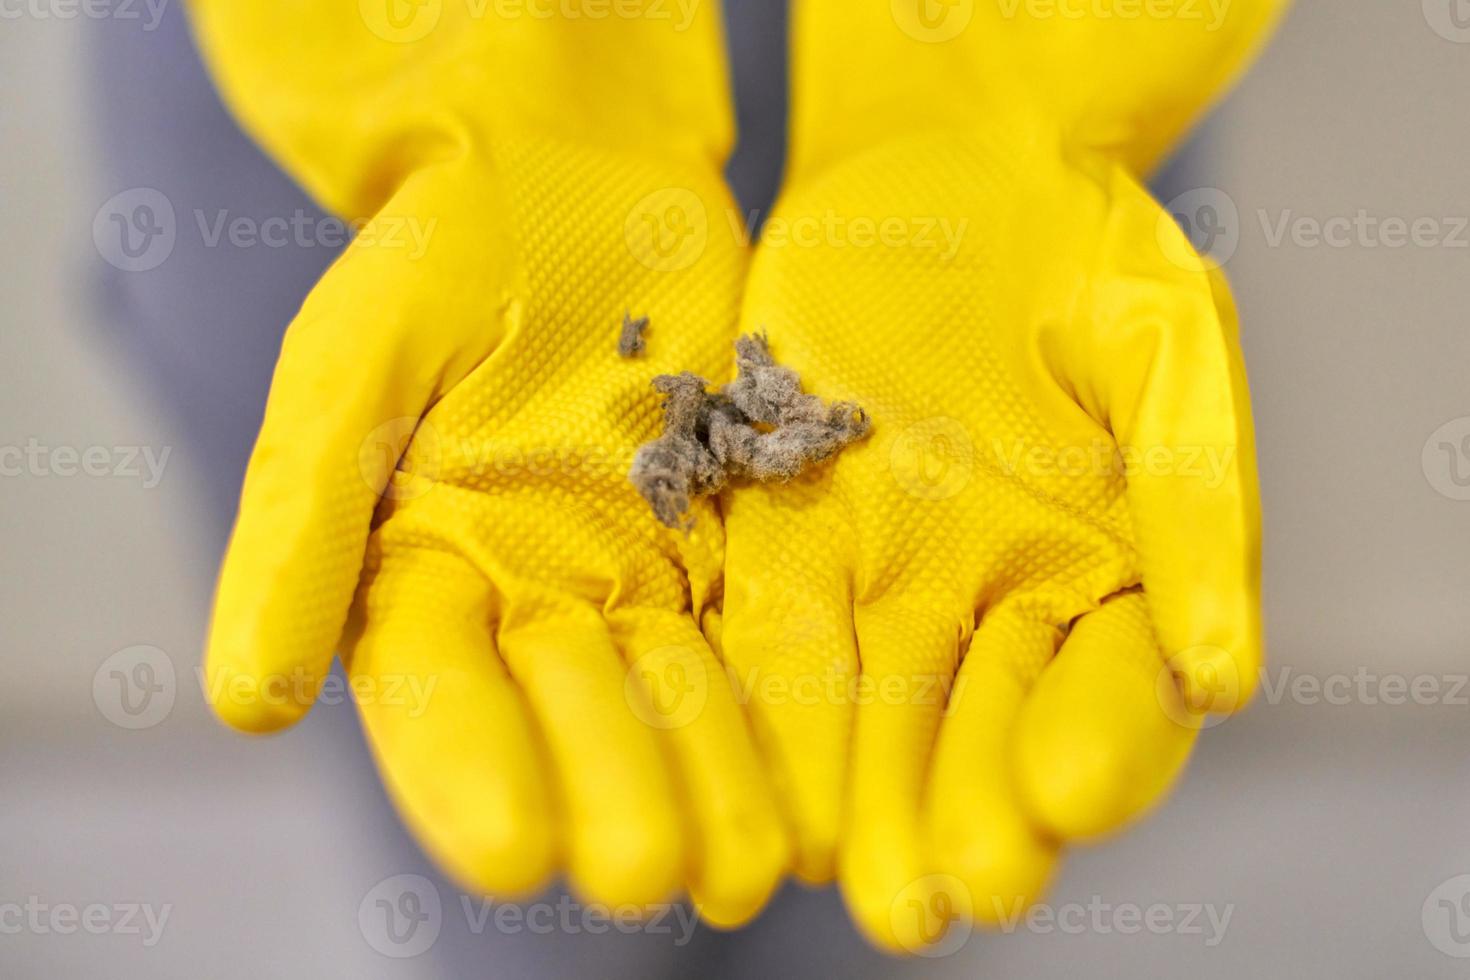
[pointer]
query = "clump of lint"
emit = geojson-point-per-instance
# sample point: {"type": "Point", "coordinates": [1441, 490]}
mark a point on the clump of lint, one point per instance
{"type": "Point", "coordinates": [761, 427]}
{"type": "Point", "coordinates": [630, 337]}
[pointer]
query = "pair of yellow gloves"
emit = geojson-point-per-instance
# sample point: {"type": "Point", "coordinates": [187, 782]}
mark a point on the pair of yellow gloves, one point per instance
{"type": "Point", "coordinates": [988, 630]}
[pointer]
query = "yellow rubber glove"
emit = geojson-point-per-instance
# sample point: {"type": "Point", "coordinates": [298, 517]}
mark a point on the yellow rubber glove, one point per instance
{"type": "Point", "coordinates": [560, 171]}
{"type": "Point", "coordinates": [1057, 503]}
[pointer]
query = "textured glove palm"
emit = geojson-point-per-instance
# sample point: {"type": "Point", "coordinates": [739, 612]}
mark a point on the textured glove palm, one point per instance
{"type": "Point", "coordinates": [987, 601]}
{"type": "Point", "coordinates": [504, 562]}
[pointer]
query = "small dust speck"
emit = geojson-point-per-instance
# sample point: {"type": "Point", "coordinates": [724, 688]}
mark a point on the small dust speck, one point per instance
{"type": "Point", "coordinates": [630, 338]}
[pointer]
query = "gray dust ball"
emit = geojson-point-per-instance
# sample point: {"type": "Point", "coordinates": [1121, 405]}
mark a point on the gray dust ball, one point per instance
{"type": "Point", "coordinates": [630, 338]}
{"type": "Point", "coordinates": [761, 427]}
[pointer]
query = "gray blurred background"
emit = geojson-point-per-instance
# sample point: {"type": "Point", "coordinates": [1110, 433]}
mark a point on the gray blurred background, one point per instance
{"type": "Point", "coordinates": [1330, 823]}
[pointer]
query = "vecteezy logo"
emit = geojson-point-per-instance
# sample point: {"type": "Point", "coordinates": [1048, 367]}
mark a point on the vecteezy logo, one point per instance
{"type": "Point", "coordinates": [1446, 459]}
{"type": "Point", "coordinates": [1211, 225]}
{"type": "Point", "coordinates": [933, 21]}
{"type": "Point", "coordinates": [135, 687]}
{"type": "Point", "coordinates": [929, 916]}
{"type": "Point", "coordinates": [668, 229]}
{"type": "Point", "coordinates": [933, 459]}
{"type": "Point", "coordinates": [1450, 19]}
{"type": "Point", "coordinates": [400, 21]}
{"type": "Point", "coordinates": [401, 916]}
{"type": "Point", "coordinates": [400, 459]}
{"type": "Point", "coordinates": [1446, 917]}
{"type": "Point", "coordinates": [135, 230]}
{"type": "Point", "coordinates": [667, 687]}
{"type": "Point", "coordinates": [1193, 697]}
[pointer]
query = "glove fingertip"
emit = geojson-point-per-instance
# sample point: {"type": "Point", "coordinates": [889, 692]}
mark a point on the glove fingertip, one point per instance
{"type": "Point", "coordinates": [743, 862]}
{"type": "Point", "coordinates": [1000, 866]}
{"type": "Point", "coordinates": [815, 860]}
{"type": "Point", "coordinates": [735, 899]}
{"type": "Point", "coordinates": [641, 865]}
{"type": "Point", "coordinates": [1082, 788]}
{"type": "Point", "coordinates": [512, 863]}
{"type": "Point", "coordinates": [1215, 680]}
{"type": "Point", "coordinates": [256, 704]}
